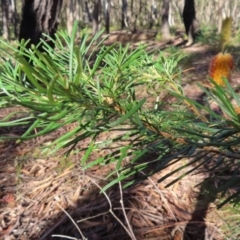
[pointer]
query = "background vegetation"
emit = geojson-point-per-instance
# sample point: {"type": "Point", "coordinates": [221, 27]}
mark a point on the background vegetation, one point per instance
{"type": "Point", "coordinates": [128, 14]}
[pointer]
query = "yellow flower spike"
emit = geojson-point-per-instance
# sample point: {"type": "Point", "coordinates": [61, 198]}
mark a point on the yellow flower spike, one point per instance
{"type": "Point", "coordinates": [226, 32]}
{"type": "Point", "coordinates": [237, 110]}
{"type": "Point", "coordinates": [221, 66]}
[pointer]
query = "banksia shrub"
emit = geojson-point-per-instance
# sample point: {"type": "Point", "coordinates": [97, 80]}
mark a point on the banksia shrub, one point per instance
{"type": "Point", "coordinates": [221, 66]}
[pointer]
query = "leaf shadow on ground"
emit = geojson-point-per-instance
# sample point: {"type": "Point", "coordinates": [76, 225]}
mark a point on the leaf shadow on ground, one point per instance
{"type": "Point", "coordinates": [101, 224]}
{"type": "Point", "coordinates": [151, 209]}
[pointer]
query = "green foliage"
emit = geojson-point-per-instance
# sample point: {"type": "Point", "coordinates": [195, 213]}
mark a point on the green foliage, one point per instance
{"type": "Point", "coordinates": [97, 88]}
{"type": "Point", "coordinates": [230, 215]}
{"type": "Point", "coordinates": [219, 136]}
{"type": "Point", "coordinates": [93, 86]}
{"type": "Point", "coordinates": [208, 35]}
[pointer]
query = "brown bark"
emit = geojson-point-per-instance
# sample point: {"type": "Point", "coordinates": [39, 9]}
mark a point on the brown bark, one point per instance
{"type": "Point", "coordinates": [124, 14]}
{"type": "Point", "coordinates": [153, 14]}
{"type": "Point", "coordinates": [73, 11]}
{"type": "Point", "coordinates": [96, 17]}
{"type": "Point", "coordinates": [130, 13]}
{"type": "Point", "coordinates": [107, 15]}
{"type": "Point", "coordinates": [220, 7]}
{"type": "Point", "coordinates": [13, 16]}
{"type": "Point", "coordinates": [5, 22]}
{"type": "Point", "coordinates": [39, 17]}
{"type": "Point", "coordinates": [70, 15]}
{"type": "Point", "coordinates": [165, 30]}
{"type": "Point", "coordinates": [89, 15]}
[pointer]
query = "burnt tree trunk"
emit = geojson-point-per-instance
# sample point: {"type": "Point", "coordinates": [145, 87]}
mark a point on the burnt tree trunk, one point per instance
{"type": "Point", "coordinates": [39, 17]}
{"type": "Point", "coordinates": [189, 17]}
{"type": "Point", "coordinates": [89, 15]}
{"type": "Point", "coordinates": [124, 22]}
{"type": "Point", "coordinates": [96, 17]}
{"type": "Point", "coordinates": [107, 15]}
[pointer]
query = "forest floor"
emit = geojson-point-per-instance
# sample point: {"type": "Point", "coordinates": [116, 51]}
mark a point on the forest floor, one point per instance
{"type": "Point", "coordinates": [38, 190]}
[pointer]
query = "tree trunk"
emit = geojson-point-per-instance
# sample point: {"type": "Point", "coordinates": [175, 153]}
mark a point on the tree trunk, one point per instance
{"type": "Point", "coordinates": [153, 14]}
{"type": "Point", "coordinates": [89, 15]}
{"type": "Point", "coordinates": [189, 17]}
{"type": "Point", "coordinates": [107, 15]}
{"type": "Point", "coordinates": [5, 22]}
{"type": "Point", "coordinates": [38, 18]}
{"type": "Point", "coordinates": [73, 8]}
{"type": "Point", "coordinates": [13, 16]}
{"type": "Point", "coordinates": [220, 7]}
{"type": "Point", "coordinates": [96, 17]}
{"type": "Point", "coordinates": [136, 13]}
{"type": "Point", "coordinates": [70, 6]}
{"type": "Point", "coordinates": [165, 30]}
{"type": "Point", "coordinates": [124, 14]}
{"type": "Point", "coordinates": [131, 11]}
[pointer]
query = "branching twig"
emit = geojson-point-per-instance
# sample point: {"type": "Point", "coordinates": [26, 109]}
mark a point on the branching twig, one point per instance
{"type": "Point", "coordinates": [124, 212]}
{"type": "Point", "coordinates": [110, 208]}
{"type": "Point", "coordinates": [80, 232]}
{"type": "Point", "coordinates": [67, 237]}
{"type": "Point", "coordinates": [98, 215]}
